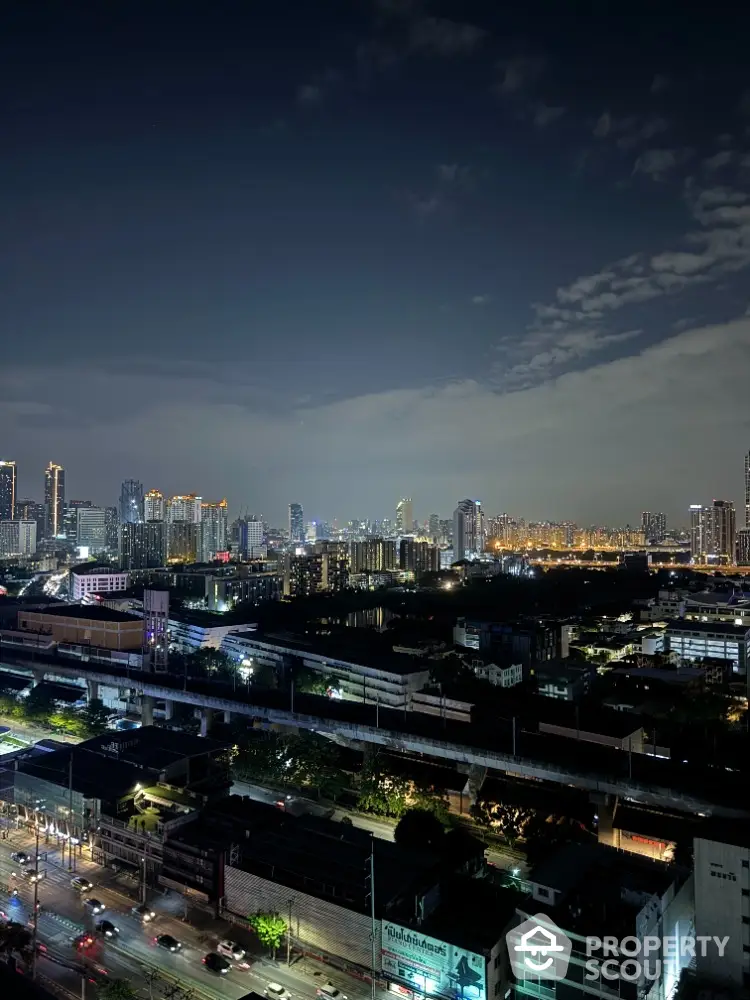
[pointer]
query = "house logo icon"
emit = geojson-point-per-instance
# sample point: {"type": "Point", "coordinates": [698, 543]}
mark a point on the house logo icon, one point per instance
{"type": "Point", "coordinates": [538, 949]}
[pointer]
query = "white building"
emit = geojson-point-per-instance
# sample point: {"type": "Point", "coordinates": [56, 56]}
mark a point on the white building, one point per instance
{"type": "Point", "coordinates": [722, 903]}
{"type": "Point", "coordinates": [214, 529]}
{"type": "Point", "coordinates": [17, 538]}
{"type": "Point", "coordinates": [154, 506]}
{"type": "Point", "coordinates": [184, 508]}
{"type": "Point", "coordinates": [96, 581]}
{"type": "Point", "coordinates": [504, 677]}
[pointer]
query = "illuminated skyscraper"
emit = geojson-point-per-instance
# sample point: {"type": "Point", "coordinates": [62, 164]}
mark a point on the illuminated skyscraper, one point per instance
{"type": "Point", "coordinates": [433, 526]}
{"type": "Point", "coordinates": [154, 507]}
{"type": "Point", "coordinates": [143, 545]}
{"type": "Point", "coordinates": [699, 532]}
{"type": "Point", "coordinates": [91, 528]}
{"type": "Point", "coordinates": [468, 530]}
{"type": "Point", "coordinates": [7, 490]}
{"type": "Point", "coordinates": [654, 526]}
{"type": "Point", "coordinates": [54, 499]}
{"type": "Point", "coordinates": [112, 524]}
{"type": "Point", "coordinates": [213, 529]}
{"type": "Point", "coordinates": [747, 490]}
{"type": "Point", "coordinates": [404, 516]}
{"type": "Point", "coordinates": [724, 540]}
{"type": "Point", "coordinates": [184, 508]}
{"type": "Point", "coordinates": [131, 502]}
{"type": "Point", "coordinates": [296, 524]}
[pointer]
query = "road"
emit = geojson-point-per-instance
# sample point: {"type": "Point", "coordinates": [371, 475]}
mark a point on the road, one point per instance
{"type": "Point", "coordinates": [381, 828]}
{"type": "Point", "coordinates": [28, 731]}
{"type": "Point", "coordinates": [134, 955]}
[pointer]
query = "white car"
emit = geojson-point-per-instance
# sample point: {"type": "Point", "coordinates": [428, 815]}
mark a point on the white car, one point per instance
{"type": "Point", "coordinates": [276, 991]}
{"type": "Point", "coordinates": [81, 884]}
{"type": "Point", "coordinates": [230, 949]}
{"type": "Point", "coordinates": [330, 991]}
{"type": "Point", "coordinates": [143, 913]}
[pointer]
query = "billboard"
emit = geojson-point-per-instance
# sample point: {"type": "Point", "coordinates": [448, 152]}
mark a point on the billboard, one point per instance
{"type": "Point", "coordinates": [431, 967]}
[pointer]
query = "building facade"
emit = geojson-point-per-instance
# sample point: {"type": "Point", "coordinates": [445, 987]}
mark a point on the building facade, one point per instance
{"type": "Point", "coordinates": [213, 529]}
{"type": "Point", "coordinates": [91, 528]}
{"type": "Point", "coordinates": [468, 530]}
{"type": "Point", "coordinates": [143, 545]}
{"type": "Point", "coordinates": [97, 580]}
{"type": "Point", "coordinates": [404, 516]}
{"type": "Point", "coordinates": [7, 490]}
{"type": "Point", "coordinates": [296, 524]}
{"type": "Point", "coordinates": [54, 499]}
{"type": "Point", "coordinates": [154, 507]}
{"type": "Point", "coordinates": [184, 508]}
{"type": "Point", "coordinates": [131, 502]}
{"type": "Point", "coordinates": [419, 557]}
{"type": "Point", "coordinates": [654, 526]}
{"type": "Point", "coordinates": [183, 541]}
{"type": "Point", "coordinates": [17, 538]}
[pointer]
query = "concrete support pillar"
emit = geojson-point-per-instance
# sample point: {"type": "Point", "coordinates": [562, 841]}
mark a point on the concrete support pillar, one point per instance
{"type": "Point", "coordinates": [369, 752]}
{"type": "Point", "coordinates": [476, 779]}
{"type": "Point", "coordinates": [168, 710]}
{"type": "Point", "coordinates": [227, 718]}
{"type": "Point", "coordinates": [147, 710]}
{"type": "Point", "coordinates": [207, 718]}
{"type": "Point", "coordinates": [605, 810]}
{"type": "Point", "coordinates": [92, 690]}
{"type": "Point", "coordinates": [37, 678]}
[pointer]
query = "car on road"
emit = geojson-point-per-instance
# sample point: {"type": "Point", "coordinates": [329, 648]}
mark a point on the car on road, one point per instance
{"type": "Point", "coordinates": [20, 857]}
{"type": "Point", "coordinates": [277, 992]}
{"type": "Point", "coordinates": [81, 884]}
{"type": "Point", "coordinates": [31, 876]}
{"type": "Point", "coordinates": [216, 963]}
{"type": "Point", "coordinates": [329, 990]}
{"type": "Point", "coordinates": [168, 942]}
{"type": "Point", "coordinates": [143, 913]}
{"type": "Point", "coordinates": [95, 905]}
{"type": "Point", "coordinates": [230, 949]}
{"type": "Point", "coordinates": [82, 942]}
{"type": "Point", "coordinates": [107, 928]}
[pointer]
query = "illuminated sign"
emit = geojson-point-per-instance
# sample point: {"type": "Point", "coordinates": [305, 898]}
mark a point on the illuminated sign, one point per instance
{"type": "Point", "coordinates": [431, 967]}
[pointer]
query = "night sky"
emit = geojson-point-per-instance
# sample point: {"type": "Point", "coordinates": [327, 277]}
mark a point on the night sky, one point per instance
{"type": "Point", "coordinates": [339, 253]}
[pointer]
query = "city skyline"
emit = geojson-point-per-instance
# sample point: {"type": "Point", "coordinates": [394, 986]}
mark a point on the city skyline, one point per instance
{"type": "Point", "coordinates": [430, 258]}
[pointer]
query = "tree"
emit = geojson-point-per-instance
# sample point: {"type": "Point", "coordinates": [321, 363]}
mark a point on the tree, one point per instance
{"type": "Point", "coordinates": [269, 928]}
{"type": "Point", "coordinates": [15, 941]}
{"type": "Point", "coordinates": [39, 705]}
{"type": "Point", "coordinates": [382, 793]}
{"type": "Point", "coordinates": [116, 989]}
{"type": "Point", "coordinates": [510, 821]}
{"type": "Point", "coordinates": [419, 829]}
{"type": "Point", "coordinates": [95, 717]}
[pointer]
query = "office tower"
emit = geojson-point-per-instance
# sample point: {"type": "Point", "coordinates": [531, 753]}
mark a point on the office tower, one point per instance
{"type": "Point", "coordinates": [7, 490]}
{"type": "Point", "coordinates": [70, 519]}
{"type": "Point", "coordinates": [446, 530]}
{"type": "Point", "coordinates": [112, 528]}
{"type": "Point", "coordinates": [54, 500]}
{"type": "Point", "coordinates": [250, 542]}
{"type": "Point", "coordinates": [743, 547]}
{"type": "Point", "coordinates": [468, 530]}
{"type": "Point", "coordinates": [723, 532]}
{"type": "Point", "coordinates": [404, 516]}
{"type": "Point", "coordinates": [183, 541]}
{"type": "Point", "coordinates": [699, 532]}
{"type": "Point", "coordinates": [91, 528]}
{"type": "Point", "coordinates": [143, 545]}
{"type": "Point", "coordinates": [17, 538]}
{"type": "Point", "coordinates": [419, 557]}
{"type": "Point", "coordinates": [154, 508]}
{"type": "Point", "coordinates": [213, 529]}
{"type": "Point", "coordinates": [296, 524]}
{"type": "Point", "coordinates": [184, 508]}
{"type": "Point", "coordinates": [654, 526]}
{"type": "Point", "coordinates": [747, 490]}
{"type": "Point", "coordinates": [433, 527]}
{"type": "Point", "coordinates": [131, 502]}
{"type": "Point", "coordinates": [30, 510]}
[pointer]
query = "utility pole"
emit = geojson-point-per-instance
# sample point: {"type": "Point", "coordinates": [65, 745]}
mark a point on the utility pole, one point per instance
{"type": "Point", "coordinates": [373, 937]}
{"type": "Point", "coordinates": [35, 925]}
{"type": "Point", "coordinates": [289, 936]}
{"type": "Point", "coordinates": [70, 811]}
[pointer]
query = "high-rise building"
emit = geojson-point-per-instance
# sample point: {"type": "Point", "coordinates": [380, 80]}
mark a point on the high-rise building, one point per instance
{"type": "Point", "coordinates": [7, 490]}
{"type": "Point", "coordinates": [743, 547]}
{"type": "Point", "coordinates": [419, 557]}
{"type": "Point", "coordinates": [375, 555]}
{"type": "Point", "coordinates": [70, 519]}
{"type": "Point", "coordinates": [131, 502]}
{"type": "Point", "coordinates": [91, 528]}
{"type": "Point", "coordinates": [724, 532]}
{"type": "Point", "coordinates": [468, 530]}
{"type": "Point", "coordinates": [250, 542]}
{"type": "Point", "coordinates": [747, 490]}
{"type": "Point", "coordinates": [404, 516]}
{"type": "Point", "coordinates": [699, 532]}
{"type": "Point", "coordinates": [54, 500]}
{"type": "Point", "coordinates": [143, 545]}
{"type": "Point", "coordinates": [30, 510]}
{"type": "Point", "coordinates": [433, 526]}
{"type": "Point", "coordinates": [112, 527]}
{"type": "Point", "coordinates": [296, 524]}
{"type": "Point", "coordinates": [654, 526]}
{"type": "Point", "coordinates": [183, 541]}
{"type": "Point", "coordinates": [17, 538]}
{"type": "Point", "coordinates": [213, 529]}
{"type": "Point", "coordinates": [184, 508]}
{"type": "Point", "coordinates": [154, 508]}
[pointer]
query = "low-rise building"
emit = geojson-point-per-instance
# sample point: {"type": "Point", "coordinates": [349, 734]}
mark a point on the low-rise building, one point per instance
{"type": "Point", "coordinates": [563, 680]}
{"type": "Point", "coordinates": [85, 624]}
{"type": "Point", "coordinates": [94, 579]}
{"type": "Point", "coordinates": [697, 640]}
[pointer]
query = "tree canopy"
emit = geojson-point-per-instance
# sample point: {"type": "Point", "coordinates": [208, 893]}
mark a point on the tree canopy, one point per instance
{"type": "Point", "coordinates": [269, 928]}
{"type": "Point", "coordinates": [419, 829]}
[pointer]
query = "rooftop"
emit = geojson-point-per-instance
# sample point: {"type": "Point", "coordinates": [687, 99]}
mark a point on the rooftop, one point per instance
{"type": "Point", "coordinates": [472, 913]}
{"type": "Point", "coordinates": [717, 628]}
{"type": "Point", "coordinates": [371, 650]}
{"type": "Point", "coordinates": [726, 832]}
{"type": "Point", "coordinates": [719, 599]}
{"type": "Point", "coordinates": [89, 775]}
{"type": "Point", "coordinates": [88, 569]}
{"type": "Point", "coordinates": [89, 612]}
{"type": "Point", "coordinates": [151, 747]}
{"type": "Point", "coordinates": [655, 824]}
